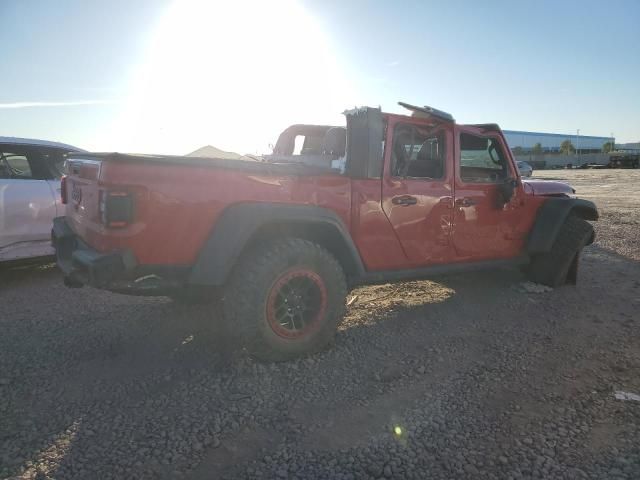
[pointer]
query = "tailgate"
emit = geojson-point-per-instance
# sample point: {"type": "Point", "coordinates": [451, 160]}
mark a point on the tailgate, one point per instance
{"type": "Point", "coordinates": [82, 194]}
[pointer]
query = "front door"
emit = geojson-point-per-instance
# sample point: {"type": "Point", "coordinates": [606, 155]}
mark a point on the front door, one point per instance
{"type": "Point", "coordinates": [417, 191]}
{"type": "Point", "coordinates": [484, 227]}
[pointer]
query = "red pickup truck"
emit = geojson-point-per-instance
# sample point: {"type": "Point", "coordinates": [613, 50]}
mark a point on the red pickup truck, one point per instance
{"type": "Point", "coordinates": [282, 238]}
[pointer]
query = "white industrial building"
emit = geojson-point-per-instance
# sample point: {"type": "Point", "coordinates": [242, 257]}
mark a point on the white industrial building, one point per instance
{"type": "Point", "coordinates": [628, 147]}
{"type": "Point", "coordinates": [551, 142]}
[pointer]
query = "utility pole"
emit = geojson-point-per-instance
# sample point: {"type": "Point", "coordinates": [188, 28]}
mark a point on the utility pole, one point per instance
{"type": "Point", "coordinates": [577, 135]}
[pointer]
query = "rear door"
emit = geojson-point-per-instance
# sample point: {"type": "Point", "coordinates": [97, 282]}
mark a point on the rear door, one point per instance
{"type": "Point", "coordinates": [27, 204]}
{"type": "Point", "coordinates": [484, 227]}
{"type": "Point", "coordinates": [417, 189]}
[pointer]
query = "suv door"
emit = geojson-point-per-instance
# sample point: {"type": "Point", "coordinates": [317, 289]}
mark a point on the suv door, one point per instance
{"type": "Point", "coordinates": [417, 193]}
{"type": "Point", "coordinates": [27, 204]}
{"type": "Point", "coordinates": [484, 226]}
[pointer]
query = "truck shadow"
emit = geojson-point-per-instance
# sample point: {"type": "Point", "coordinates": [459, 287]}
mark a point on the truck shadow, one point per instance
{"type": "Point", "coordinates": [127, 370]}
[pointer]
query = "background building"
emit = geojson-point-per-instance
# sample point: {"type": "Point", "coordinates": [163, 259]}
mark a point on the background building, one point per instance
{"type": "Point", "coordinates": [551, 142]}
{"type": "Point", "coordinates": [628, 147]}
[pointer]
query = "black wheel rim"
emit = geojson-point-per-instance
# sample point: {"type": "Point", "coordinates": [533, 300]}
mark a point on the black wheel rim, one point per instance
{"type": "Point", "coordinates": [296, 304]}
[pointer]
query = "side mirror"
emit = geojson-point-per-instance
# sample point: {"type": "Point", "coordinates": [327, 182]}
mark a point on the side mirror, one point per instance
{"type": "Point", "coordinates": [506, 190]}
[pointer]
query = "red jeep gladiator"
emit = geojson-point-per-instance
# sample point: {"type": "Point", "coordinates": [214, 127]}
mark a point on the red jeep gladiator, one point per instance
{"type": "Point", "coordinates": [388, 198]}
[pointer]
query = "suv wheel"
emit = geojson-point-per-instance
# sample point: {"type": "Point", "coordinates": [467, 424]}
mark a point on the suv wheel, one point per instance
{"type": "Point", "coordinates": [286, 299]}
{"type": "Point", "coordinates": [553, 268]}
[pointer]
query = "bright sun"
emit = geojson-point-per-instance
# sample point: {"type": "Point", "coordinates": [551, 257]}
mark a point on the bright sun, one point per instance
{"type": "Point", "coordinates": [230, 74]}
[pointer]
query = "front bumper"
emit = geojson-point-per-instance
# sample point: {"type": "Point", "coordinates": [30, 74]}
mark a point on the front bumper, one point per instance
{"type": "Point", "coordinates": [83, 265]}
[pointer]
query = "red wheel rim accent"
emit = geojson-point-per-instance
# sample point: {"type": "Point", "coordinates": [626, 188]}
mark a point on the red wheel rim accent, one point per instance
{"type": "Point", "coordinates": [296, 303]}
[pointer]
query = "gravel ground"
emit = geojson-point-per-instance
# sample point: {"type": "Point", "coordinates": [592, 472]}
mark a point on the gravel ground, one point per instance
{"type": "Point", "coordinates": [473, 376]}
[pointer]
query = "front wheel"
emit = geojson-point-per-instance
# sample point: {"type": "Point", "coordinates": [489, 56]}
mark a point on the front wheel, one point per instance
{"type": "Point", "coordinates": [560, 264]}
{"type": "Point", "coordinates": [286, 299]}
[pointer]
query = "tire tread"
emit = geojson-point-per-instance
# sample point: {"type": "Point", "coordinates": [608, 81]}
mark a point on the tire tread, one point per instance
{"type": "Point", "coordinates": [551, 268]}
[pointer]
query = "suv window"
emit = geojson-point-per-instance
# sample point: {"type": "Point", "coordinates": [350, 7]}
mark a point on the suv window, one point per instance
{"type": "Point", "coordinates": [417, 152]}
{"type": "Point", "coordinates": [482, 159]}
{"type": "Point", "coordinates": [14, 165]}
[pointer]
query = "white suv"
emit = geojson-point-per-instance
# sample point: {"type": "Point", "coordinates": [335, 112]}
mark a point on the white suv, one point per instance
{"type": "Point", "coordinates": [30, 172]}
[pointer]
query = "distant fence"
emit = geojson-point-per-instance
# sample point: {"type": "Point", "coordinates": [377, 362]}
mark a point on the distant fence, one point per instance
{"type": "Point", "coordinates": [554, 161]}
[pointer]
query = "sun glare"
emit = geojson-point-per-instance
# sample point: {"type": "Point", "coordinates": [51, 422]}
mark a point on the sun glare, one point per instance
{"type": "Point", "coordinates": [230, 74]}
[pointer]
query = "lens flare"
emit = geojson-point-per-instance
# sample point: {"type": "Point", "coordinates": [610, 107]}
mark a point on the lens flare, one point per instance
{"type": "Point", "coordinates": [232, 74]}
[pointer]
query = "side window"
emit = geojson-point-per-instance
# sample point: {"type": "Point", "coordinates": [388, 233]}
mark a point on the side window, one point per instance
{"type": "Point", "coordinates": [417, 152]}
{"type": "Point", "coordinates": [482, 159]}
{"type": "Point", "coordinates": [307, 145]}
{"type": "Point", "coordinates": [13, 165]}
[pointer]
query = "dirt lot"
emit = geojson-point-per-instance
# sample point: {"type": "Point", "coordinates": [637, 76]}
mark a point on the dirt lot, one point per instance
{"type": "Point", "coordinates": [470, 377]}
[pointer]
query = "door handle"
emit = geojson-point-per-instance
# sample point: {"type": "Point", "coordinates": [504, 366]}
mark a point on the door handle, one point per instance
{"type": "Point", "coordinates": [404, 200]}
{"type": "Point", "coordinates": [465, 202]}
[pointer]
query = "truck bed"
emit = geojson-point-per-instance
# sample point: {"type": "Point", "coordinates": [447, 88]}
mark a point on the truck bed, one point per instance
{"type": "Point", "coordinates": [176, 200]}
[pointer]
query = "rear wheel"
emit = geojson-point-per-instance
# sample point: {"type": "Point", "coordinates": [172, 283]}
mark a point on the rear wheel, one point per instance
{"type": "Point", "coordinates": [286, 299]}
{"type": "Point", "coordinates": [560, 264]}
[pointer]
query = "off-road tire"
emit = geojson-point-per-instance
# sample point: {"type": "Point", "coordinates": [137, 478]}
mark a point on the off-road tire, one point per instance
{"type": "Point", "coordinates": [553, 267]}
{"type": "Point", "coordinates": [249, 295]}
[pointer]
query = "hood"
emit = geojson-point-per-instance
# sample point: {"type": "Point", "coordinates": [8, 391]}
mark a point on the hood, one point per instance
{"type": "Point", "coordinates": [548, 188]}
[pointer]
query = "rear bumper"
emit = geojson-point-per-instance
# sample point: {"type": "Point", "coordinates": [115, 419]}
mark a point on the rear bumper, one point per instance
{"type": "Point", "coordinates": [83, 265]}
{"type": "Point", "coordinates": [115, 271]}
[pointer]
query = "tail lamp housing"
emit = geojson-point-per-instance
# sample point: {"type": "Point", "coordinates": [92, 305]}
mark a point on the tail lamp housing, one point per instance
{"type": "Point", "coordinates": [116, 208]}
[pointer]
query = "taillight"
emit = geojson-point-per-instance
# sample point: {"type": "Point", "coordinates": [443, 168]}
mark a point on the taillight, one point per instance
{"type": "Point", "coordinates": [63, 189]}
{"type": "Point", "coordinates": [116, 208]}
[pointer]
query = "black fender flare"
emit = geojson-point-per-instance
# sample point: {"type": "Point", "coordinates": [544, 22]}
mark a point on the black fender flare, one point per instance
{"type": "Point", "coordinates": [238, 223]}
{"type": "Point", "coordinates": [550, 218]}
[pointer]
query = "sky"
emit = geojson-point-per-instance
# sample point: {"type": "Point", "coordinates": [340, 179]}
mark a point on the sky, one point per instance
{"type": "Point", "coordinates": [169, 76]}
